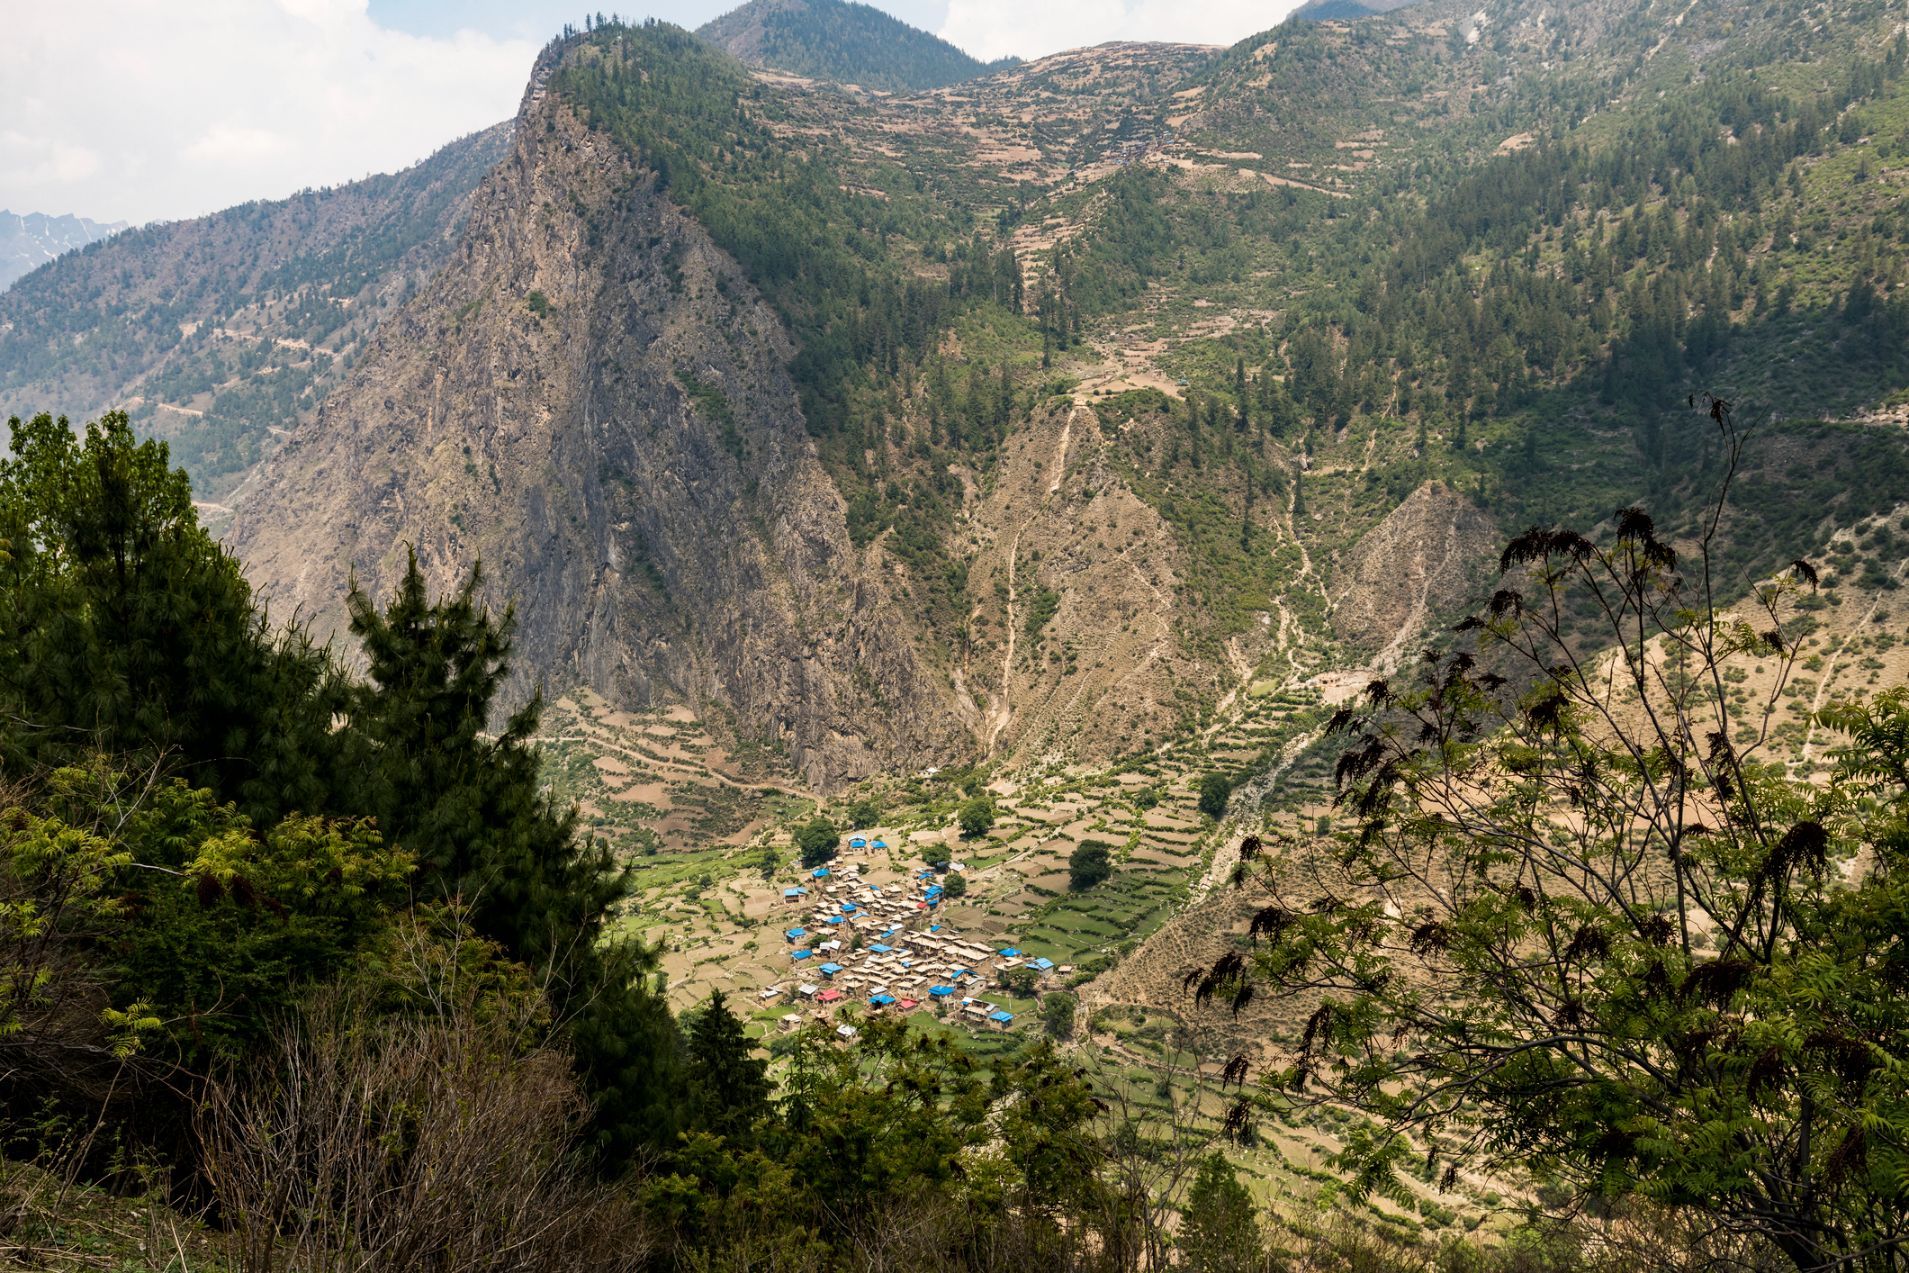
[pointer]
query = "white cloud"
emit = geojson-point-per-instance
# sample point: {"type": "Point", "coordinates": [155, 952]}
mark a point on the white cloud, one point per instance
{"type": "Point", "coordinates": [234, 143]}
{"type": "Point", "coordinates": [152, 109]}
{"type": "Point", "coordinates": [995, 28]}
{"type": "Point", "coordinates": [26, 160]}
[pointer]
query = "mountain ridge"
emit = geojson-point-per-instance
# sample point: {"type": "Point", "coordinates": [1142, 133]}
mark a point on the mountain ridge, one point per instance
{"type": "Point", "coordinates": [29, 240]}
{"type": "Point", "coordinates": [842, 40]}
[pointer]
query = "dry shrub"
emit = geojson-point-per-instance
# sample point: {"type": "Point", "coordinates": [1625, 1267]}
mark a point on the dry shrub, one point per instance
{"type": "Point", "coordinates": [427, 1141]}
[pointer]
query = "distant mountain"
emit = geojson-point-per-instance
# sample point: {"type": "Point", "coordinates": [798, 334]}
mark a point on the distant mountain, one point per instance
{"type": "Point", "coordinates": [29, 240]}
{"type": "Point", "coordinates": [842, 41]}
{"type": "Point", "coordinates": [1346, 10]}
{"type": "Point", "coordinates": [219, 332]}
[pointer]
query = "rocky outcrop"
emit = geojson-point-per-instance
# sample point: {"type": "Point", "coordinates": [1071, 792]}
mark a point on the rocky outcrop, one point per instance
{"type": "Point", "coordinates": [1425, 560]}
{"type": "Point", "coordinates": [593, 401]}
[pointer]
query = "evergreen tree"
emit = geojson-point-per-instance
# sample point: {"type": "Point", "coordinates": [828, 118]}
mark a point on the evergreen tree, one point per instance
{"type": "Point", "coordinates": [728, 1084]}
{"type": "Point", "coordinates": [125, 628]}
{"type": "Point", "coordinates": [1219, 1232]}
{"type": "Point", "coordinates": [469, 808]}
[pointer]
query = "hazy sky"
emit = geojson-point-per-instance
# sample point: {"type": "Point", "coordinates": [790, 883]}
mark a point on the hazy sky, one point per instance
{"type": "Point", "coordinates": [144, 110]}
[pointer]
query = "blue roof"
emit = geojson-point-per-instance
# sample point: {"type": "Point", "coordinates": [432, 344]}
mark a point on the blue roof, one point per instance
{"type": "Point", "coordinates": [880, 949]}
{"type": "Point", "coordinates": [941, 992]}
{"type": "Point", "coordinates": [934, 928]}
{"type": "Point", "coordinates": [858, 843]}
{"type": "Point", "coordinates": [922, 875]}
{"type": "Point", "coordinates": [1045, 965]}
{"type": "Point", "coordinates": [891, 930]}
{"type": "Point", "coordinates": [881, 843]}
{"type": "Point", "coordinates": [1000, 1016]}
{"type": "Point", "coordinates": [850, 908]}
{"type": "Point", "coordinates": [830, 969]}
{"type": "Point", "coordinates": [795, 892]}
{"type": "Point", "coordinates": [794, 933]}
{"type": "Point", "coordinates": [1010, 952]}
{"type": "Point", "coordinates": [820, 873]}
{"type": "Point", "coordinates": [881, 1001]}
{"type": "Point", "coordinates": [833, 919]}
{"type": "Point", "coordinates": [803, 954]}
{"type": "Point", "coordinates": [959, 973]}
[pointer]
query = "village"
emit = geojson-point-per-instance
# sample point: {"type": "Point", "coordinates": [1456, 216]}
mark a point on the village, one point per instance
{"type": "Point", "coordinates": [858, 948]}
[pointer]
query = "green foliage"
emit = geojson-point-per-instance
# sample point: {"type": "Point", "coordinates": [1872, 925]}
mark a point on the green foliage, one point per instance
{"type": "Point", "coordinates": [1216, 789]}
{"type": "Point", "coordinates": [127, 631]}
{"type": "Point", "coordinates": [728, 1084]}
{"type": "Point", "coordinates": [1219, 1232]}
{"type": "Point", "coordinates": [1058, 1010]}
{"type": "Point", "coordinates": [1090, 863]}
{"type": "Point", "coordinates": [817, 841]}
{"type": "Point", "coordinates": [845, 41]}
{"type": "Point", "coordinates": [955, 885]}
{"type": "Point", "coordinates": [976, 816]}
{"type": "Point", "coordinates": [124, 628]}
{"type": "Point", "coordinates": [465, 803]}
{"type": "Point", "coordinates": [1627, 949]}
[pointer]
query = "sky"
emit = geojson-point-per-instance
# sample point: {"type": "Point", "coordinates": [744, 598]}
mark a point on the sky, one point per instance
{"type": "Point", "coordinates": [143, 110]}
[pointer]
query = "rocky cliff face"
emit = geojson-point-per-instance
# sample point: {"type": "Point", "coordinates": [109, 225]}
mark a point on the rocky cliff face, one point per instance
{"type": "Point", "coordinates": [1425, 560]}
{"type": "Point", "coordinates": [593, 401]}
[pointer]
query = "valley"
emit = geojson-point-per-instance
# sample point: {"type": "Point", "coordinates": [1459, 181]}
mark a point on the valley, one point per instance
{"type": "Point", "coordinates": [953, 521]}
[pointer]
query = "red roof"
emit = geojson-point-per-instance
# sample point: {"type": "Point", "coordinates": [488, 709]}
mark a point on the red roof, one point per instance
{"type": "Point", "coordinates": [828, 996]}
{"type": "Point", "coordinates": [906, 1004]}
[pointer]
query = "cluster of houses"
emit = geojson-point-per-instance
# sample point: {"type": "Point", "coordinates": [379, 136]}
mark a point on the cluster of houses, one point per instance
{"type": "Point", "coordinates": [854, 943]}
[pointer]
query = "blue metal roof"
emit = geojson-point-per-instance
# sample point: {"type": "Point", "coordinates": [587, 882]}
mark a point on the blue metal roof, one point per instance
{"type": "Point", "coordinates": [833, 919]}
{"type": "Point", "coordinates": [1010, 952]}
{"type": "Point", "coordinates": [880, 949]}
{"type": "Point", "coordinates": [941, 992]}
{"type": "Point", "coordinates": [819, 873]}
{"type": "Point", "coordinates": [1045, 965]}
{"type": "Point", "coordinates": [830, 969]}
{"type": "Point", "coordinates": [794, 933]}
{"type": "Point", "coordinates": [803, 954]}
{"type": "Point", "coordinates": [881, 1001]}
{"type": "Point", "coordinates": [1000, 1016]}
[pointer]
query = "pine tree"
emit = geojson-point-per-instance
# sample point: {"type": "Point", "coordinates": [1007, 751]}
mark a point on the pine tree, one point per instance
{"type": "Point", "coordinates": [124, 627]}
{"type": "Point", "coordinates": [1219, 1232]}
{"type": "Point", "coordinates": [470, 809]}
{"type": "Point", "coordinates": [728, 1084]}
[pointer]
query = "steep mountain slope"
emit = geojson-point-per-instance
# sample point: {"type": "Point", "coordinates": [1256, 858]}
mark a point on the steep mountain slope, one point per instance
{"type": "Point", "coordinates": [593, 400]}
{"type": "Point", "coordinates": [1136, 376]}
{"type": "Point", "coordinates": [840, 40]}
{"type": "Point", "coordinates": [31, 239]}
{"type": "Point", "coordinates": [220, 333]}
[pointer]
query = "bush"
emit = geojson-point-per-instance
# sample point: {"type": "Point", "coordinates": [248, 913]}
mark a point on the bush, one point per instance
{"type": "Point", "coordinates": [1090, 863]}
{"type": "Point", "coordinates": [956, 885]}
{"type": "Point", "coordinates": [1215, 790]}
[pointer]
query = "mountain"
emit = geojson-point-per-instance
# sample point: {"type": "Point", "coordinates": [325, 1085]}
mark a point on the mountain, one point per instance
{"type": "Point", "coordinates": [29, 240]}
{"type": "Point", "coordinates": [843, 41]}
{"type": "Point", "coordinates": [1347, 10]}
{"type": "Point", "coordinates": [222, 332]}
{"type": "Point", "coordinates": [1045, 413]}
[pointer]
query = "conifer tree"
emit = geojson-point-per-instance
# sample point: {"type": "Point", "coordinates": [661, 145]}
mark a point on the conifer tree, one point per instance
{"type": "Point", "coordinates": [1219, 1232]}
{"type": "Point", "coordinates": [728, 1083]}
